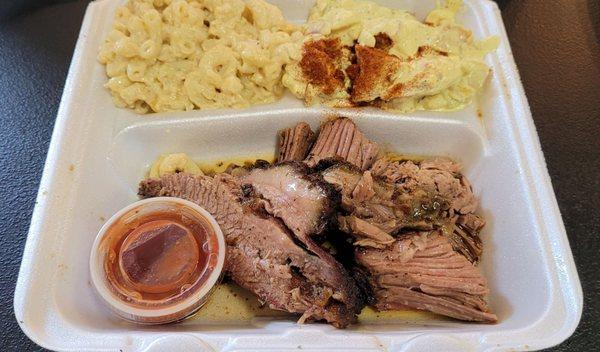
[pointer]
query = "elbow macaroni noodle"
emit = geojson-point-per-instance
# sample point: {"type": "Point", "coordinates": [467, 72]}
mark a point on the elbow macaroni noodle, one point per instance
{"type": "Point", "coordinates": [173, 163]}
{"type": "Point", "coordinates": [164, 55]}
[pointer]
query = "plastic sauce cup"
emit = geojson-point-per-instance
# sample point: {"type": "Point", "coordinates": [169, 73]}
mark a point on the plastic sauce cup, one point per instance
{"type": "Point", "coordinates": [157, 260]}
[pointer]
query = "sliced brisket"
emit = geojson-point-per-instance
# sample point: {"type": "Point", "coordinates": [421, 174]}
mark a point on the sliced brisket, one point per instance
{"type": "Point", "coordinates": [303, 201]}
{"type": "Point", "coordinates": [306, 204]}
{"type": "Point", "coordinates": [342, 140]}
{"type": "Point", "coordinates": [414, 237]}
{"type": "Point", "coordinates": [422, 271]}
{"type": "Point", "coordinates": [295, 142]}
{"type": "Point", "coordinates": [263, 256]}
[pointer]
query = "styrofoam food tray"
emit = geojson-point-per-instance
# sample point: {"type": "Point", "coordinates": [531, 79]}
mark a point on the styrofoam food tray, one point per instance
{"type": "Point", "coordinates": [99, 153]}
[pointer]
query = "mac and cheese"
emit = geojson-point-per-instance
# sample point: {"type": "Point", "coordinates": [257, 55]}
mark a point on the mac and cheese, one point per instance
{"type": "Point", "coordinates": [164, 55]}
{"type": "Point", "coordinates": [167, 55]}
{"type": "Point", "coordinates": [431, 65]}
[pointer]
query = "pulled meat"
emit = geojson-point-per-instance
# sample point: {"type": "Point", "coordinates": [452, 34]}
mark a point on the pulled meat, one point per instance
{"type": "Point", "coordinates": [367, 234]}
{"type": "Point", "coordinates": [382, 205]}
{"type": "Point", "coordinates": [415, 234]}
{"type": "Point", "coordinates": [441, 177]}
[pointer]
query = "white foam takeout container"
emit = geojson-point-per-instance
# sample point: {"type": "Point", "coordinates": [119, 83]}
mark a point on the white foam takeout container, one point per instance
{"type": "Point", "coordinates": [99, 153]}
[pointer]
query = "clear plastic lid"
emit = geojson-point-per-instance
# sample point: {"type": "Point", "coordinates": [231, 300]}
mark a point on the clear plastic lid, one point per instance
{"type": "Point", "coordinates": [157, 260]}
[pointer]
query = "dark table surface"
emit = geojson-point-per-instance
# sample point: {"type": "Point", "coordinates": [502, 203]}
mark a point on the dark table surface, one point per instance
{"type": "Point", "coordinates": [557, 48]}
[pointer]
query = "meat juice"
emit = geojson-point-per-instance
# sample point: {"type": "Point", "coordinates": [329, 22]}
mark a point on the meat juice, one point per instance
{"type": "Point", "coordinates": [232, 304]}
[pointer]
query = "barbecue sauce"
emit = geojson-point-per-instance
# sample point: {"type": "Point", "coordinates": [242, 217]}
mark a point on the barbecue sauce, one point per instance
{"type": "Point", "coordinates": [159, 258]}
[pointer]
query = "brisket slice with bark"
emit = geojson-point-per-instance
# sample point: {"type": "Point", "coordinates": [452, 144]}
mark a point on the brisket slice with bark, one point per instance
{"type": "Point", "coordinates": [263, 255]}
{"type": "Point", "coordinates": [303, 201]}
{"type": "Point", "coordinates": [306, 204]}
